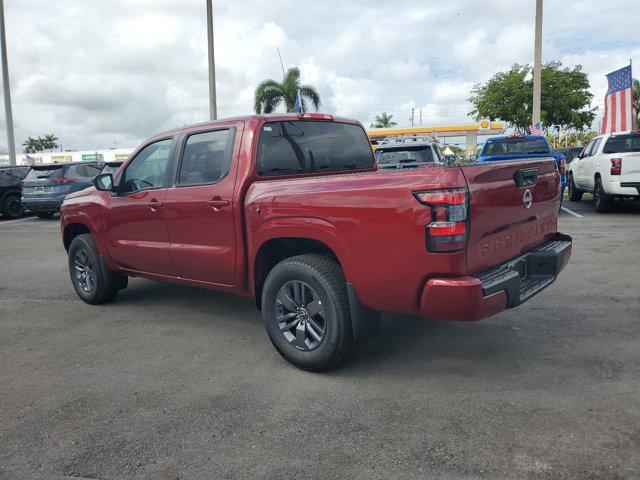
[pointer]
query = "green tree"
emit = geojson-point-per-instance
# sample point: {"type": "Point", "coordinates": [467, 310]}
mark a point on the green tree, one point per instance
{"type": "Point", "coordinates": [49, 141]}
{"type": "Point", "coordinates": [507, 96]}
{"type": "Point", "coordinates": [270, 93]}
{"type": "Point", "coordinates": [32, 145]}
{"type": "Point", "coordinates": [383, 121]}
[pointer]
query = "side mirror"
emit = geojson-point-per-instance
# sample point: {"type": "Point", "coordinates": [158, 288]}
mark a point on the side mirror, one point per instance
{"type": "Point", "coordinates": [103, 182]}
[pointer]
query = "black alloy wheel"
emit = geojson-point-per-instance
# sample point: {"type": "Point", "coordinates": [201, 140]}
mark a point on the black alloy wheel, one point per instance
{"type": "Point", "coordinates": [300, 315]}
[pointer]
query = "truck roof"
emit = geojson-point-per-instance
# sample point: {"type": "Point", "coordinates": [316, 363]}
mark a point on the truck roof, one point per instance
{"type": "Point", "coordinates": [266, 117]}
{"type": "Point", "coordinates": [511, 137]}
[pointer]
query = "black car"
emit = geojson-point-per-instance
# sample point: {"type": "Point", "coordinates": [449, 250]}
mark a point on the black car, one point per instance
{"type": "Point", "coordinates": [45, 187]}
{"type": "Point", "coordinates": [569, 152]}
{"type": "Point", "coordinates": [11, 178]}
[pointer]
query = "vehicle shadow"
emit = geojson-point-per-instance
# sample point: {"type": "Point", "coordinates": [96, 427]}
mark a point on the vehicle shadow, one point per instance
{"type": "Point", "coordinates": [406, 345]}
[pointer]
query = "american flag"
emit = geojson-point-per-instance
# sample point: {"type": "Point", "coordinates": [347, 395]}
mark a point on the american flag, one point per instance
{"type": "Point", "coordinates": [618, 109]}
{"type": "Point", "coordinates": [536, 129]}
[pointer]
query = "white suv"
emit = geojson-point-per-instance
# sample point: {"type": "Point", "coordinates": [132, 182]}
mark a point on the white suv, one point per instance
{"type": "Point", "coordinates": [609, 167]}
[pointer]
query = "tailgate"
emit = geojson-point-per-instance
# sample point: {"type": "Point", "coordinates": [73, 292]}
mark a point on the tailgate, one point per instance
{"type": "Point", "coordinates": [513, 208]}
{"type": "Point", "coordinates": [630, 167]}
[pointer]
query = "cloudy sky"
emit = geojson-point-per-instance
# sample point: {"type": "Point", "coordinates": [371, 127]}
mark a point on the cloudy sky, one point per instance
{"type": "Point", "coordinates": [100, 73]}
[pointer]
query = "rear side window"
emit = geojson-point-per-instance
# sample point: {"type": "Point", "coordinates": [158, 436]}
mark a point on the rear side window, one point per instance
{"type": "Point", "coordinates": [206, 157]}
{"type": "Point", "coordinates": [288, 148]}
{"type": "Point", "coordinates": [44, 173]}
{"type": "Point", "coordinates": [622, 144]}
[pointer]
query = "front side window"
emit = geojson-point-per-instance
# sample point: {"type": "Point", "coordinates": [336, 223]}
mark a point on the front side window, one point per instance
{"type": "Point", "coordinates": [148, 169]}
{"type": "Point", "coordinates": [588, 149]}
{"type": "Point", "coordinates": [206, 157]}
{"type": "Point", "coordinates": [623, 144]}
{"type": "Point", "coordinates": [287, 148]}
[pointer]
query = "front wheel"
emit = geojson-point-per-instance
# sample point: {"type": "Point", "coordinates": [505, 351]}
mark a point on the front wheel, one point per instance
{"type": "Point", "coordinates": [306, 311]}
{"type": "Point", "coordinates": [92, 280]}
{"type": "Point", "coordinates": [602, 202]}
{"type": "Point", "coordinates": [575, 194]}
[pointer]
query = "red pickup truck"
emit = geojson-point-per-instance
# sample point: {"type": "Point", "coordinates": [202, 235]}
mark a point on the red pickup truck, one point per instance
{"type": "Point", "coordinates": [290, 209]}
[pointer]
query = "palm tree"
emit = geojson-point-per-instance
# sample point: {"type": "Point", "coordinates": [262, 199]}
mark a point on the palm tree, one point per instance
{"type": "Point", "coordinates": [270, 94]}
{"type": "Point", "coordinates": [49, 141]}
{"type": "Point", "coordinates": [383, 121]}
{"type": "Point", "coordinates": [32, 145]}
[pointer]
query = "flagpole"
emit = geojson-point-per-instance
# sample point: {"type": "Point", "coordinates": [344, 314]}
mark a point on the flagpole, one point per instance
{"type": "Point", "coordinates": [7, 93]}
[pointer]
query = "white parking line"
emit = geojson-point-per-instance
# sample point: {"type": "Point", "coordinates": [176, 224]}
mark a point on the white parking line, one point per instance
{"type": "Point", "coordinates": [18, 220]}
{"type": "Point", "coordinates": [572, 212]}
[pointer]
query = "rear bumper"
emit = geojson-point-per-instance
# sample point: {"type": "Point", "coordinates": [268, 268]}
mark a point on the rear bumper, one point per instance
{"type": "Point", "coordinates": [496, 289]}
{"type": "Point", "coordinates": [51, 204]}
{"type": "Point", "coordinates": [630, 185]}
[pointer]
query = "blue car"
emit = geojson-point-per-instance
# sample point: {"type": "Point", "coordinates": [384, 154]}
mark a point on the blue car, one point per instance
{"type": "Point", "coordinates": [521, 146]}
{"type": "Point", "coordinates": [45, 186]}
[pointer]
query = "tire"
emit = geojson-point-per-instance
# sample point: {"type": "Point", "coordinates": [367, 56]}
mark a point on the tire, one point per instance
{"type": "Point", "coordinates": [85, 262]}
{"type": "Point", "coordinates": [575, 194]}
{"type": "Point", "coordinates": [602, 203]}
{"type": "Point", "coordinates": [44, 215]}
{"type": "Point", "coordinates": [12, 207]}
{"type": "Point", "coordinates": [319, 304]}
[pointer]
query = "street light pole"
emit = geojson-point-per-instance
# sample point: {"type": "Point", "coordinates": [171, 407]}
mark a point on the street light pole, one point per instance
{"type": "Point", "coordinates": [537, 65]}
{"type": "Point", "coordinates": [5, 86]}
{"type": "Point", "coordinates": [213, 108]}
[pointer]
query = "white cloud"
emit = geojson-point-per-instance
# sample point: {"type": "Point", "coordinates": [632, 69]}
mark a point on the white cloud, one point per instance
{"type": "Point", "coordinates": [98, 73]}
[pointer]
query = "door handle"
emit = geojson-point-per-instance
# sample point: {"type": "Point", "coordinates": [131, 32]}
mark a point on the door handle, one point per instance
{"type": "Point", "coordinates": [218, 202]}
{"type": "Point", "coordinates": [153, 203]}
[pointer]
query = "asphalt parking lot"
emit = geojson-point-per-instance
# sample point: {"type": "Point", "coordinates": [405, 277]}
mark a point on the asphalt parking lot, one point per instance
{"type": "Point", "coordinates": [171, 382]}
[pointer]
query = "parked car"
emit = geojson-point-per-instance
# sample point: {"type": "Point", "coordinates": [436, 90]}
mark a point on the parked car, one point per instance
{"type": "Point", "coordinates": [111, 167]}
{"type": "Point", "coordinates": [11, 178]}
{"type": "Point", "coordinates": [521, 146]}
{"type": "Point", "coordinates": [408, 153]}
{"type": "Point", "coordinates": [569, 152]}
{"type": "Point", "coordinates": [45, 186]}
{"type": "Point", "coordinates": [609, 167]}
{"type": "Point", "coordinates": [292, 211]}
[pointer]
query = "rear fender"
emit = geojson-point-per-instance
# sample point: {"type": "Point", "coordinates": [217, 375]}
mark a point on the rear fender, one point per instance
{"type": "Point", "coordinates": [298, 227]}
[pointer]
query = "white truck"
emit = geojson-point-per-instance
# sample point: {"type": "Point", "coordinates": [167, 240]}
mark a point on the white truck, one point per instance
{"type": "Point", "coordinates": [608, 167]}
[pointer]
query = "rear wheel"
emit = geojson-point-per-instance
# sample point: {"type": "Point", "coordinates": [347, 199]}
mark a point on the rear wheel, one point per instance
{"type": "Point", "coordinates": [12, 207]}
{"type": "Point", "coordinates": [602, 202]}
{"type": "Point", "coordinates": [306, 311]}
{"type": "Point", "coordinates": [92, 280]}
{"type": "Point", "coordinates": [44, 214]}
{"type": "Point", "coordinates": [575, 194]}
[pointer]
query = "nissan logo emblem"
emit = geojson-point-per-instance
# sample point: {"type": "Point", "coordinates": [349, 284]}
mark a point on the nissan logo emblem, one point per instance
{"type": "Point", "coordinates": [527, 199]}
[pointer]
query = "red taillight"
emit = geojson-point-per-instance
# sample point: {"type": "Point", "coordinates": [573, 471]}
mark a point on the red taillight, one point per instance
{"type": "Point", "coordinates": [316, 116]}
{"type": "Point", "coordinates": [562, 168]}
{"type": "Point", "coordinates": [616, 166]}
{"type": "Point", "coordinates": [447, 230]}
{"type": "Point", "coordinates": [62, 179]}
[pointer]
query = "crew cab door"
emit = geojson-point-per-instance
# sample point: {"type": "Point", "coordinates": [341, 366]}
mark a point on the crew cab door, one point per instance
{"type": "Point", "coordinates": [589, 171]}
{"type": "Point", "coordinates": [136, 232]}
{"type": "Point", "coordinates": [200, 208]}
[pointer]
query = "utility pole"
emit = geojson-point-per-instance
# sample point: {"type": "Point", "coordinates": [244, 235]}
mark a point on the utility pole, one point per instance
{"type": "Point", "coordinates": [420, 116]}
{"type": "Point", "coordinates": [5, 87]}
{"type": "Point", "coordinates": [413, 110]}
{"type": "Point", "coordinates": [213, 107]}
{"type": "Point", "coordinates": [537, 65]}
